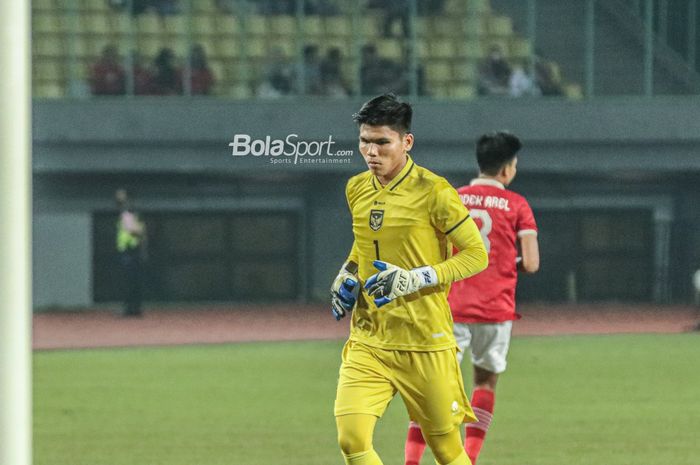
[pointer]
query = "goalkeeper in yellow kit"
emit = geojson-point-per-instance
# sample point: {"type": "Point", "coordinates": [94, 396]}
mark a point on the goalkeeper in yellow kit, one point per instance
{"type": "Point", "coordinates": [405, 221]}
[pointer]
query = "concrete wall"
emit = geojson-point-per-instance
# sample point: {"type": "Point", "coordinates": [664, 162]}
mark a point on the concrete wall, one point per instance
{"type": "Point", "coordinates": [174, 155]}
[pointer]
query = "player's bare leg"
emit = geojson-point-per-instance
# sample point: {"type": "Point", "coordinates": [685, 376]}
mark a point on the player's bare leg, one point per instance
{"type": "Point", "coordinates": [483, 399]}
{"type": "Point", "coordinates": [355, 433]}
{"type": "Point", "coordinates": [447, 448]}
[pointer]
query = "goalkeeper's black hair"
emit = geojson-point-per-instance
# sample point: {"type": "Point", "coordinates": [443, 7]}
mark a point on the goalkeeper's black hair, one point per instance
{"type": "Point", "coordinates": [386, 110]}
{"type": "Point", "coordinates": [496, 149]}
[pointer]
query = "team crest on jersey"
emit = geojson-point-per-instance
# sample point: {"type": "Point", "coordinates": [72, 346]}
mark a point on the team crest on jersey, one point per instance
{"type": "Point", "coordinates": [376, 218]}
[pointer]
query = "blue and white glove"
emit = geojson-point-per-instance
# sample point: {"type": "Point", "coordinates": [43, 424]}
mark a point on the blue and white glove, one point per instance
{"type": "Point", "coordinates": [344, 292]}
{"type": "Point", "coordinates": [393, 282]}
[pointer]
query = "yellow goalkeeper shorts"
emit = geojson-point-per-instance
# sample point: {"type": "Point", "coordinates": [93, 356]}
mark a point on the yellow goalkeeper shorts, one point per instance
{"type": "Point", "coordinates": [430, 384]}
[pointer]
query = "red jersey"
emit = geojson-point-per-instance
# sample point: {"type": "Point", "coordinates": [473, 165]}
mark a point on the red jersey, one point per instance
{"type": "Point", "coordinates": [502, 217]}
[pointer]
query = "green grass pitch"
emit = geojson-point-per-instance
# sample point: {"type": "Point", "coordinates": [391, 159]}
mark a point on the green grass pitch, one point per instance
{"type": "Point", "coordinates": [609, 400]}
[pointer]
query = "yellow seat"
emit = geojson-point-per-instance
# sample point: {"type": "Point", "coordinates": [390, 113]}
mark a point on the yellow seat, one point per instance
{"type": "Point", "coordinates": [226, 47]}
{"type": "Point", "coordinates": [283, 25]}
{"type": "Point", "coordinates": [369, 26]}
{"type": "Point", "coordinates": [148, 23]}
{"type": "Point", "coordinates": [43, 5]}
{"type": "Point", "coordinates": [312, 26]}
{"type": "Point", "coordinates": [256, 25]}
{"type": "Point", "coordinates": [204, 6]}
{"type": "Point", "coordinates": [422, 49]}
{"type": "Point", "coordinates": [53, 89]}
{"type": "Point", "coordinates": [50, 46]}
{"type": "Point", "coordinates": [443, 48]}
{"type": "Point", "coordinates": [227, 25]}
{"type": "Point", "coordinates": [471, 49]}
{"type": "Point", "coordinates": [150, 46]}
{"type": "Point", "coordinates": [256, 48]}
{"type": "Point", "coordinates": [48, 70]}
{"type": "Point", "coordinates": [176, 25]}
{"type": "Point", "coordinates": [474, 26]}
{"type": "Point", "coordinates": [462, 92]}
{"type": "Point", "coordinates": [80, 47]}
{"type": "Point", "coordinates": [218, 68]}
{"type": "Point", "coordinates": [95, 5]}
{"type": "Point", "coordinates": [573, 91]}
{"type": "Point", "coordinates": [465, 71]}
{"type": "Point", "coordinates": [240, 91]}
{"type": "Point", "coordinates": [446, 27]}
{"type": "Point", "coordinates": [94, 23]}
{"type": "Point", "coordinates": [440, 91]}
{"type": "Point", "coordinates": [520, 48]}
{"type": "Point", "coordinates": [95, 45]}
{"type": "Point", "coordinates": [203, 25]}
{"type": "Point", "coordinates": [46, 22]}
{"type": "Point", "coordinates": [120, 24]}
{"type": "Point", "coordinates": [500, 26]}
{"type": "Point", "coordinates": [388, 48]}
{"type": "Point", "coordinates": [337, 26]}
{"type": "Point", "coordinates": [438, 72]}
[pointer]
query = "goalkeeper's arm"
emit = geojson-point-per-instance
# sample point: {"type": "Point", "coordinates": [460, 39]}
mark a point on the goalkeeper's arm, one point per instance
{"type": "Point", "coordinates": [392, 282]}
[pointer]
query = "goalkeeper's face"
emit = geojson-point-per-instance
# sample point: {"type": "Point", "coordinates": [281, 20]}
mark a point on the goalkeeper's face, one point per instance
{"type": "Point", "coordinates": [384, 150]}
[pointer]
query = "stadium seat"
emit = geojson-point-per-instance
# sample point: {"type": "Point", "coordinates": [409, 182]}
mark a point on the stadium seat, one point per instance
{"type": "Point", "coordinates": [470, 49]}
{"type": "Point", "coordinates": [519, 48]}
{"type": "Point", "coordinates": [438, 72]}
{"type": "Point", "coordinates": [422, 49]}
{"type": "Point", "coordinates": [96, 44]}
{"type": "Point", "coordinates": [446, 27]}
{"type": "Point", "coordinates": [312, 26]}
{"type": "Point", "coordinates": [462, 92]}
{"type": "Point", "coordinates": [175, 25]}
{"type": "Point", "coordinates": [227, 25]}
{"type": "Point", "coordinates": [120, 24]}
{"type": "Point", "coordinates": [204, 6]}
{"type": "Point", "coordinates": [289, 49]}
{"type": "Point", "coordinates": [94, 23]}
{"type": "Point", "coordinates": [149, 46]}
{"type": "Point", "coordinates": [454, 8]}
{"type": "Point", "coordinates": [95, 5]}
{"type": "Point", "coordinates": [439, 91]}
{"type": "Point", "coordinates": [48, 70]}
{"type": "Point", "coordinates": [256, 25]}
{"type": "Point", "coordinates": [370, 27]}
{"type": "Point", "coordinates": [442, 48]}
{"type": "Point", "coordinates": [47, 22]}
{"type": "Point", "coordinates": [474, 26]}
{"type": "Point", "coordinates": [225, 48]}
{"type": "Point", "coordinates": [256, 48]}
{"type": "Point", "coordinates": [148, 23]}
{"type": "Point", "coordinates": [218, 70]}
{"type": "Point", "coordinates": [203, 25]}
{"type": "Point", "coordinates": [389, 48]}
{"type": "Point", "coordinates": [43, 5]}
{"type": "Point", "coordinates": [80, 46]}
{"type": "Point", "coordinates": [465, 71]}
{"type": "Point", "coordinates": [48, 45]}
{"type": "Point", "coordinates": [53, 89]}
{"type": "Point", "coordinates": [338, 26]}
{"type": "Point", "coordinates": [500, 26]}
{"type": "Point", "coordinates": [283, 25]}
{"type": "Point", "coordinates": [240, 91]}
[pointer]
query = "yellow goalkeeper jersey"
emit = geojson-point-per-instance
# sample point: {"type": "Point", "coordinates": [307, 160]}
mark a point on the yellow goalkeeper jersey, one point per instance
{"type": "Point", "coordinates": [412, 221]}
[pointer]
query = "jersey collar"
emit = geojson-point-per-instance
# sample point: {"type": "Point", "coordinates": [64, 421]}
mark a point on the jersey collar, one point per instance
{"type": "Point", "coordinates": [486, 182]}
{"type": "Point", "coordinates": [400, 177]}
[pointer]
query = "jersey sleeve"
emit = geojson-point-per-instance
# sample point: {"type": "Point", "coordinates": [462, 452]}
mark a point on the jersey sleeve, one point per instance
{"type": "Point", "coordinates": [452, 218]}
{"type": "Point", "coordinates": [526, 220]}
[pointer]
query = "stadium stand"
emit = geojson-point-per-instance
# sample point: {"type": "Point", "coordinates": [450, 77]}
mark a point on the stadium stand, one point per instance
{"type": "Point", "coordinates": [449, 44]}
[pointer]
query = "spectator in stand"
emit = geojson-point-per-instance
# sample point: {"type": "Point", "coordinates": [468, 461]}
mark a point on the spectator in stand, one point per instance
{"type": "Point", "coordinates": [521, 83]}
{"type": "Point", "coordinates": [167, 77]}
{"type": "Point", "coordinates": [547, 77]}
{"type": "Point", "coordinates": [310, 69]}
{"type": "Point", "coordinates": [143, 77]}
{"type": "Point", "coordinates": [278, 76]}
{"type": "Point", "coordinates": [107, 75]}
{"type": "Point", "coordinates": [202, 79]}
{"type": "Point", "coordinates": [494, 74]}
{"type": "Point", "coordinates": [331, 75]}
{"type": "Point", "coordinates": [379, 75]}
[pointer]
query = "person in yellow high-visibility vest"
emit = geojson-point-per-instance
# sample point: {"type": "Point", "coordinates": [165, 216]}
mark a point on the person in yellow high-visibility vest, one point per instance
{"type": "Point", "coordinates": [131, 238]}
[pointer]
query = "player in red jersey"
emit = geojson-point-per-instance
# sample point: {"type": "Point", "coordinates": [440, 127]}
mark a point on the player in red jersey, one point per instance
{"type": "Point", "coordinates": [483, 306]}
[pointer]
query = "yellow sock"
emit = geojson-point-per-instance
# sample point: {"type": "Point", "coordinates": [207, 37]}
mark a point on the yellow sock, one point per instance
{"type": "Point", "coordinates": [462, 459]}
{"type": "Point", "coordinates": [368, 457]}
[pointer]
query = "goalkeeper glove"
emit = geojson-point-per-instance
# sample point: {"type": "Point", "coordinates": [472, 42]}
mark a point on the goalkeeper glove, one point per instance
{"type": "Point", "coordinates": [392, 282]}
{"type": "Point", "coordinates": [344, 292]}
